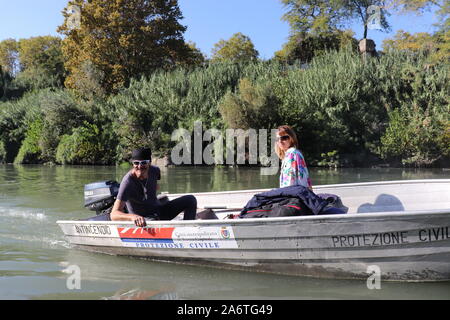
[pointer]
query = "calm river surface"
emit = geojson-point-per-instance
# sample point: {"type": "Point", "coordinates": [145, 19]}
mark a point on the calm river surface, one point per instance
{"type": "Point", "coordinates": [34, 252]}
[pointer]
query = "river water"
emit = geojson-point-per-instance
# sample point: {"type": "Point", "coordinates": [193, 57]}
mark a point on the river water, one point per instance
{"type": "Point", "coordinates": [34, 255]}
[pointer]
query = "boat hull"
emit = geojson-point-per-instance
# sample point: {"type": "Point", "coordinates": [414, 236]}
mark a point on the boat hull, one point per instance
{"type": "Point", "coordinates": [399, 230]}
{"type": "Point", "coordinates": [412, 246]}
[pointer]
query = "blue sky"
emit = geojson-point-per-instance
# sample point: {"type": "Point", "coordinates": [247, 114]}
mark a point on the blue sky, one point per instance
{"type": "Point", "coordinates": [208, 21]}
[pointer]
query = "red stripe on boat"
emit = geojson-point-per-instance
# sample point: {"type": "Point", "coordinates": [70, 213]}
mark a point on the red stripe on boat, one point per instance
{"type": "Point", "coordinates": [146, 233]}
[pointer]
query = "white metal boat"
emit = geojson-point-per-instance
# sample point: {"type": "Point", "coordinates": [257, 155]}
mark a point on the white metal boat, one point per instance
{"type": "Point", "coordinates": [400, 227]}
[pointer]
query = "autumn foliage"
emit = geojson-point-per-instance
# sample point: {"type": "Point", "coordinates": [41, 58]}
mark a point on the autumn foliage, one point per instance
{"type": "Point", "coordinates": [123, 39]}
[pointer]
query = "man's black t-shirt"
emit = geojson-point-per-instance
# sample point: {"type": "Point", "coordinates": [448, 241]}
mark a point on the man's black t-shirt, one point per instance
{"type": "Point", "coordinates": [140, 195]}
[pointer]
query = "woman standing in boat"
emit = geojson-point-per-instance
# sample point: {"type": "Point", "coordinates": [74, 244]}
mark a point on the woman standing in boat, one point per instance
{"type": "Point", "coordinates": [293, 168]}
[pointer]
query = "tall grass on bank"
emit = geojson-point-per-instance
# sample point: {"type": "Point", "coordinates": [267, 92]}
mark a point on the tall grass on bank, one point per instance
{"type": "Point", "coordinates": [346, 111]}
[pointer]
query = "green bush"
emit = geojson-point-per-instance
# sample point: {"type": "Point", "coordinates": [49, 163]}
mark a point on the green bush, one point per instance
{"type": "Point", "coordinates": [15, 117]}
{"type": "Point", "coordinates": [416, 133]}
{"type": "Point", "coordinates": [252, 106]}
{"type": "Point", "coordinates": [415, 137]}
{"type": "Point", "coordinates": [5, 81]}
{"type": "Point", "coordinates": [61, 113]}
{"type": "Point", "coordinates": [330, 159]}
{"type": "Point", "coordinates": [2, 152]}
{"type": "Point", "coordinates": [30, 150]}
{"type": "Point", "coordinates": [334, 104]}
{"type": "Point", "coordinates": [83, 146]}
{"type": "Point", "coordinates": [302, 48]}
{"type": "Point", "coordinates": [36, 79]}
{"type": "Point", "coordinates": [56, 109]}
{"type": "Point", "coordinates": [149, 110]}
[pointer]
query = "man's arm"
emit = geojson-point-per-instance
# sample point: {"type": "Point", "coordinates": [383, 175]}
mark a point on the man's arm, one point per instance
{"type": "Point", "coordinates": [117, 214]}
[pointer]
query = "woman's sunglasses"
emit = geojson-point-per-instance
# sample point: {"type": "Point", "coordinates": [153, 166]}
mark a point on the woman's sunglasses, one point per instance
{"type": "Point", "coordinates": [283, 138]}
{"type": "Point", "coordinates": [142, 163]}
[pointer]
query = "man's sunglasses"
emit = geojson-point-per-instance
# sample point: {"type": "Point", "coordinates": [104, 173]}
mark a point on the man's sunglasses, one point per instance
{"type": "Point", "coordinates": [142, 163]}
{"type": "Point", "coordinates": [283, 138]}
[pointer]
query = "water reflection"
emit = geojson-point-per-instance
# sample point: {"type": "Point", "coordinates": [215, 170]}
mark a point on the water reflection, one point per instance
{"type": "Point", "coordinates": [200, 179]}
{"type": "Point", "coordinates": [321, 176]}
{"type": "Point", "coordinates": [131, 278]}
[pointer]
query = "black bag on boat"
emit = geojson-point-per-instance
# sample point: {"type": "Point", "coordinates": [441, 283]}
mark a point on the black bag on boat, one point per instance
{"type": "Point", "coordinates": [335, 205]}
{"type": "Point", "coordinates": [207, 214]}
{"type": "Point", "coordinates": [262, 204]}
{"type": "Point", "coordinates": [285, 208]}
{"type": "Point", "coordinates": [308, 200]}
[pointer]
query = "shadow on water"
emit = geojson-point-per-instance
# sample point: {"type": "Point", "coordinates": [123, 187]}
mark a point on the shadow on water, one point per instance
{"type": "Point", "coordinates": [383, 203]}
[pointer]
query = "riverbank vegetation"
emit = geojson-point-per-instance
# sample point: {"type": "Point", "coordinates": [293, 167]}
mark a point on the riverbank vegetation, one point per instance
{"type": "Point", "coordinates": [58, 105]}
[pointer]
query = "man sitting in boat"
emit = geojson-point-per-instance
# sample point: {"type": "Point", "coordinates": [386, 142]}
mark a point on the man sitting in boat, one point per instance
{"type": "Point", "coordinates": [137, 192]}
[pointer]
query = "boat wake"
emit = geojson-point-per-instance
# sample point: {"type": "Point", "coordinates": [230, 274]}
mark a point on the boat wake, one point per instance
{"type": "Point", "coordinates": [139, 294]}
{"type": "Point", "coordinates": [30, 225]}
{"type": "Point", "coordinates": [23, 213]}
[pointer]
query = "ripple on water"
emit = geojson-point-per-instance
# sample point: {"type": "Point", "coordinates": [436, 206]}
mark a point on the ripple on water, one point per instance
{"type": "Point", "coordinates": [23, 213]}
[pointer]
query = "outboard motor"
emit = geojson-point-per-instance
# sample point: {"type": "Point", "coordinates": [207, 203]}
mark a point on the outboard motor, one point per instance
{"type": "Point", "coordinates": [100, 196]}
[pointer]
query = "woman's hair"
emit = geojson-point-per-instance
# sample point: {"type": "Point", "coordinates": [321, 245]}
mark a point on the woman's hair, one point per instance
{"type": "Point", "coordinates": [286, 130]}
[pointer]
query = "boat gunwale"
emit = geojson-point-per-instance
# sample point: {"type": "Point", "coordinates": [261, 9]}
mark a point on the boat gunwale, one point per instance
{"type": "Point", "coordinates": [334, 217]}
{"type": "Point", "coordinates": [323, 186]}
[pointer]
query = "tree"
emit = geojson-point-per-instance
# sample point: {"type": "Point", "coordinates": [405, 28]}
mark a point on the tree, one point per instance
{"type": "Point", "coordinates": [238, 48]}
{"type": "Point", "coordinates": [303, 48]}
{"type": "Point", "coordinates": [123, 39]}
{"type": "Point", "coordinates": [9, 56]}
{"type": "Point", "coordinates": [88, 82]}
{"type": "Point", "coordinates": [312, 16]}
{"type": "Point", "coordinates": [443, 46]}
{"type": "Point", "coordinates": [414, 42]}
{"type": "Point", "coordinates": [319, 16]}
{"type": "Point", "coordinates": [436, 46]}
{"type": "Point", "coordinates": [196, 58]}
{"type": "Point", "coordinates": [44, 51]}
{"type": "Point", "coordinates": [442, 11]}
{"type": "Point", "coordinates": [41, 62]}
{"type": "Point", "coordinates": [254, 106]}
{"type": "Point", "coordinates": [444, 16]}
{"type": "Point", "coordinates": [419, 6]}
{"type": "Point", "coordinates": [5, 82]}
